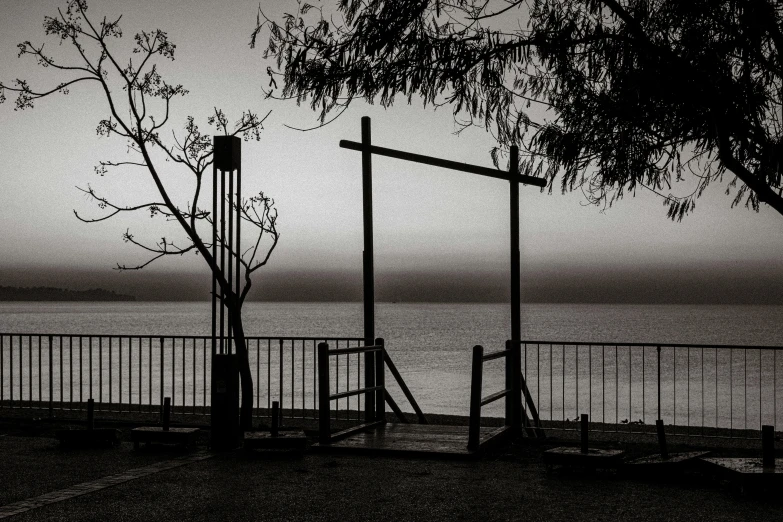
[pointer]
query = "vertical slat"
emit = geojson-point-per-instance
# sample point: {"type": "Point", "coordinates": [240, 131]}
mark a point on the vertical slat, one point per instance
{"type": "Point", "coordinates": [204, 377]}
{"type": "Point", "coordinates": [81, 373]}
{"type": "Point", "coordinates": [89, 340]}
{"type": "Point", "coordinates": [194, 376]}
{"type": "Point", "coordinates": [324, 427]}
{"type": "Point", "coordinates": [173, 370]}
{"type": "Point", "coordinates": [119, 374]}
{"type": "Point", "coordinates": [110, 365]}
{"type": "Point", "coordinates": [268, 372]}
{"type": "Point", "coordinates": [60, 345]}
{"type": "Point", "coordinates": [281, 377]}
{"type": "Point", "coordinates": [658, 355]}
{"type": "Point", "coordinates": [603, 384]}
{"type": "Point", "coordinates": [162, 369]}
{"type": "Point", "coordinates": [40, 395]}
{"type": "Point", "coordinates": [293, 379]}
{"type": "Point", "coordinates": [214, 256]}
{"type": "Point", "coordinates": [100, 370]}
{"type": "Point", "coordinates": [590, 380]}
{"type": "Point", "coordinates": [11, 369]}
{"type": "Point", "coordinates": [184, 380]}
{"type": "Point", "coordinates": [230, 278]}
{"type": "Point", "coordinates": [51, 378]}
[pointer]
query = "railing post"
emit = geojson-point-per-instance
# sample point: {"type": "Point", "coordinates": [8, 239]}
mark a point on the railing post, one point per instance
{"type": "Point", "coordinates": [474, 429]}
{"type": "Point", "coordinates": [584, 424]}
{"type": "Point", "coordinates": [768, 446]}
{"type": "Point", "coordinates": [51, 379]}
{"type": "Point", "coordinates": [324, 428]}
{"type": "Point", "coordinates": [659, 382]}
{"type": "Point", "coordinates": [166, 413]}
{"type": "Point", "coordinates": [274, 430]}
{"type": "Point", "coordinates": [380, 380]}
{"type": "Point", "coordinates": [662, 439]}
{"type": "Point", "coordinates": [90, 413]}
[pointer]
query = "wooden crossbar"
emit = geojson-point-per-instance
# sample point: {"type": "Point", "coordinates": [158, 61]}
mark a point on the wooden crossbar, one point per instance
{"type": "Point", "coordinates": [351, 393]}
{"type": "Point", "coordinates": [496, 355]}
{"type": "Point", "coordinates": [495, 396]}
{"type": "Point", "coordinates": [355, 349]}
{"type": "Point", "coordinates": [438, 162]}
{"type": "Point", "coordinates": [355, 429]}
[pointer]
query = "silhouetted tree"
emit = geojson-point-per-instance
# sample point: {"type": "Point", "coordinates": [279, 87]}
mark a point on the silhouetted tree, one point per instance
{"type": "Point", "coordinates": [138, 104]}
{"type": "Point", "coordinates": [611, 94]}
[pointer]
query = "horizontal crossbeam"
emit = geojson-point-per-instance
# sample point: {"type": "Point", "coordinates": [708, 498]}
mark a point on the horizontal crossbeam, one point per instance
{"type": "Point", "coordinates": [351, 393]}
{"type": "Point", "coordinates": [355, 349]}
{"type": "Point", "coordinates": [356, 429]}
{"type": "Point", "coordinates": [494, 397]}
{"type": "Point", "coordinates": [496, 355]}
{"type": "Point", "coordinates": [438, 162]}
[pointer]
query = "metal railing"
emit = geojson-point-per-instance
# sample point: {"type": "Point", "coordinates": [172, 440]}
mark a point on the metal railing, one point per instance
{"type": "Point", "coordinates": [697, 390]}
{"type": "Point", "coordinates": [130, 373]}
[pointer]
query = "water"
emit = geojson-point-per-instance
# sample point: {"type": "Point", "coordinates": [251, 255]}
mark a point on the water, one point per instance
{"type": "Point", "coordinates": [431, 345]}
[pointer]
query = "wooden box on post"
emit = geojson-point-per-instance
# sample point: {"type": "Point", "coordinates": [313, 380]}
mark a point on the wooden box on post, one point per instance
{"type": "Point", "coordinates": [228, 152]}
{"type": "Point", "coordinates": [224, 421]}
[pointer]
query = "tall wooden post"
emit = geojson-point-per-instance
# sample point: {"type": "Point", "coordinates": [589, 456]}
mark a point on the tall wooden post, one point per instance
{"type": "Point", "coordinates": [368, 270]}
{"type": "Point", "coordinates": [514, 364]}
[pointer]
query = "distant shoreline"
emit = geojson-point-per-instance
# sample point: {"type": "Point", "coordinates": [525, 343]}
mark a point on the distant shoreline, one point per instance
{"type": "Point", "coordinates": [45, 293]}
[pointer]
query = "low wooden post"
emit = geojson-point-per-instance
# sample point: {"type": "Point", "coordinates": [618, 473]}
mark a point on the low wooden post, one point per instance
{"type": "Point", "coordinates": [324, 428]}
{"type": "Point", "coordinates": [275, 419]}
{"type": "Point", "coordinates": [90, 414]}
{"type": "Point", "coordinates": [583, 428]}
{"type": "Point", "coordinates": [380, 380]}
{"type": "Point", "coordinates": [474, 429]}
{"type": "Point", "coordinates": [768, 446]}
{"type": "Point", "coordinates": [166, 413]}
{"type": "Point", "coordinates": [662, 439]}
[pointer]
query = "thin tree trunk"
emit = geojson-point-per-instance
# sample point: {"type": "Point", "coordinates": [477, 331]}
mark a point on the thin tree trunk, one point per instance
{"type": "Point", "coordinates": [245, 376]}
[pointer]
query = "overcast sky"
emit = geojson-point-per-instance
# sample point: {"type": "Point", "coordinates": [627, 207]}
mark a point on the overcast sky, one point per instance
{"type": "Point", "coordinates": [428, 221]}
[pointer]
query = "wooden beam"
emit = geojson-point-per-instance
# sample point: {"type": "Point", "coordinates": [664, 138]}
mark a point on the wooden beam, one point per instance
{"type": "Point", "coordinates": [438, 162]}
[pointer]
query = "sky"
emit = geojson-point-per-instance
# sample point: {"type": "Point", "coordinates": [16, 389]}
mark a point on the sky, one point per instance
{"type": "Point", "coordinates": [439, 234]}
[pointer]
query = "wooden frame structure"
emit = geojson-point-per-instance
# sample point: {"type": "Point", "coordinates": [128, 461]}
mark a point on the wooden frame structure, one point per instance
{"type": "Point", "coordinates": [514, 411]}
{"type": "Point", "coordinates": [380, 395]}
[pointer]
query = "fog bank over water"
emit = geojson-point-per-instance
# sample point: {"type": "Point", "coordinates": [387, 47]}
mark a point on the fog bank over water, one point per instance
{"type": "Point", "coordinates": [746, 283]}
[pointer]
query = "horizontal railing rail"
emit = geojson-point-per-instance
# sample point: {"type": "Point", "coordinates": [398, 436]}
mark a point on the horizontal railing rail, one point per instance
{"type": "Point", "coordinates": [133, 373]}
{"type": "Point", "coordinates": [375, 393]}
{"type": "Point", "coordinates": [695, 389]}
{"type": "Point", "coordinates": [477, 400]}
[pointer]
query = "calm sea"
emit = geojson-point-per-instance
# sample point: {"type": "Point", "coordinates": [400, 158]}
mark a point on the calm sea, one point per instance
{"type": "Point", "coordinates": [430, 343]}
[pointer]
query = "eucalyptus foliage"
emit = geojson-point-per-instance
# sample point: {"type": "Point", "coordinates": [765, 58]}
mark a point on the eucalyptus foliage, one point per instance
{"type": "Point", "coordinates": [608, 96]}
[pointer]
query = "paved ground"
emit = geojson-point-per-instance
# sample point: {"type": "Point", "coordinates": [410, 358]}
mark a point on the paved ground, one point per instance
{"type": "Point", "coordinates": [510, 485]}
